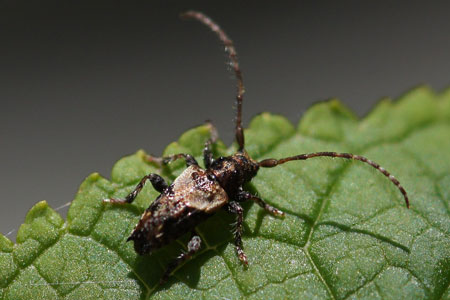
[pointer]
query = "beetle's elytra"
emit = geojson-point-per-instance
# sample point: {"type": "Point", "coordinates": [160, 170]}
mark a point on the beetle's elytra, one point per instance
{"type": "Point", "coordinates": [198, 193]}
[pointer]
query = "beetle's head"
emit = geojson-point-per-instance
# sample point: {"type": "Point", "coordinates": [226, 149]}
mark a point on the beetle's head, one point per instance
{"type": "Point", "coordinates": [233, 171]}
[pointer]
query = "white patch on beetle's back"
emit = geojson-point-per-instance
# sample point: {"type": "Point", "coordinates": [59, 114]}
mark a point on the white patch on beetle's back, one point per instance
{"type": "Point", "coordinates": [196, 190]}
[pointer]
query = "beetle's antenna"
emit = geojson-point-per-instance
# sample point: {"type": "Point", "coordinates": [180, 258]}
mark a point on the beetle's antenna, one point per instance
{"type": "Point", "coordinates": [229, 48]}
{"type": "Point", "coordinates": [271, 162]}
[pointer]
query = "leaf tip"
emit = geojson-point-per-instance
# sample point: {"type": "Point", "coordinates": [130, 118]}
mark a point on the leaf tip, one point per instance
{"type": "Point", "coordinates": [6, 245]}
{"type": "Point", "coordinates": [41, 218]}
{"type": "Point", "coordinates": [36, 211]}
{"type": "Point", "coordinates": [417, 91]}
{"type": "Point", "coordinates": [141, 154]}
{"type": "Point", "coordinates": [94, 176]}
{"type": "Point", "coordinates": [326, 120]}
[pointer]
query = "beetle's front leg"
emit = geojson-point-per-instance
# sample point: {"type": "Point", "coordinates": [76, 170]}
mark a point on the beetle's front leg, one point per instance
{"type": "Point", "coordinates": [193, 246]}
{"type": "Point", "coordinates": [157, 181]}
{"type": "Point", "coordinates": [207, 151]}
{"type": "Point", "coordinates": [235, 208]}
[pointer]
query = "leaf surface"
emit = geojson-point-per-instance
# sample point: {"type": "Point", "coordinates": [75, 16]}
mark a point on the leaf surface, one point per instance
{"type": "Point", "coordinates": [347, 233]}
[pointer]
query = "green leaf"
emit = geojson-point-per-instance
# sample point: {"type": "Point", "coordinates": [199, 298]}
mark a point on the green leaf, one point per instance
{"type": "Point", "coordinates": [347, 233]}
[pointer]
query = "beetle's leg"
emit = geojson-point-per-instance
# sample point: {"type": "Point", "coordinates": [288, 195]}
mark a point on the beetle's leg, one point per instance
{"type": "Point", "coordinates": [272, 162]}
{"type": "Point", "coordinates": [235, 208]}
{"type": "Point", "coordinates": [193, 246]}
{"type": "Point", "coordinates": [190, 160]}
{"type": "Point", "coordinates": [244, 196]}
{"type": "Point", "coordinates": [207, 152]}
{"type": "Point", "coordinates": [157, 181]}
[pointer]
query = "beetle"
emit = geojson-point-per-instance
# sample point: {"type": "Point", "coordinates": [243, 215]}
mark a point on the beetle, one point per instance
{"type": "Point", "coordinates": [197, 194]}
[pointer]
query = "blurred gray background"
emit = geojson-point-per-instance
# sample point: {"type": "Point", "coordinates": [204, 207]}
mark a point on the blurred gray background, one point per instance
{"type": "Point", "coordinates": [85, 83]}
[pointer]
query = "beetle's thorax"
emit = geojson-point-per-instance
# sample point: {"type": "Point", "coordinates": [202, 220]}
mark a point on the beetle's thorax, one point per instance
{"type": "Point", "coordinates": [233, 171]}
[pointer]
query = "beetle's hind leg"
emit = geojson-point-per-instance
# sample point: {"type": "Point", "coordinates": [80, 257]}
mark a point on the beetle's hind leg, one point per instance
{"type": "Point", "coordinates": [208, 158]}
{"type": "Point", "coordinates": [193, 246]}
{"type": "Point", "coordinates": [235, 208]}
{"type": "Point", "coordinates": [157, 181]}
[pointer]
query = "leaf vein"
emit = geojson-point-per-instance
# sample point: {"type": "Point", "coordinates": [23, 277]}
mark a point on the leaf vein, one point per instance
{"type": "Point", "coordinates": [232, 275]}
{"type": "Point", "coordinates": [321, 277]}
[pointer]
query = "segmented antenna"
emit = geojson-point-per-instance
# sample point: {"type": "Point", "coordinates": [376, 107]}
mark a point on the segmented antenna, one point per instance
{"type": "Point", "coordinates": [271, 162]}
{"type": "Point", "coordinates": [229, 48]}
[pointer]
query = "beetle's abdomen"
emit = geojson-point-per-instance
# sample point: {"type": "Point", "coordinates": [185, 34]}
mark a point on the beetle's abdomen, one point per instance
{"type": "Point", "coordinates": [193, 197]}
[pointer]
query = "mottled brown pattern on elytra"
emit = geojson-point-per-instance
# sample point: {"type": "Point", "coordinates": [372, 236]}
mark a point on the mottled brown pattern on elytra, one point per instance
{"type": "Point", "coordinates": [189, 200]}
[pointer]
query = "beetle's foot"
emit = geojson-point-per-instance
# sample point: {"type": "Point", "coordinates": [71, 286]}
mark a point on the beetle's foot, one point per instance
{"type": "Point", "coordinates": [115, 201]}
{"type": "Point", "coordinates": [276, 212]}
{"type": "Point", "coordinates": [242, 257]}
{"type": "Point", "coordinates": [158, 161]}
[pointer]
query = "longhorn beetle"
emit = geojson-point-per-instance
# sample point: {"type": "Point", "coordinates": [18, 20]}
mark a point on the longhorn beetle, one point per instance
{"type": "Point", "coordinates": [198, 193]}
